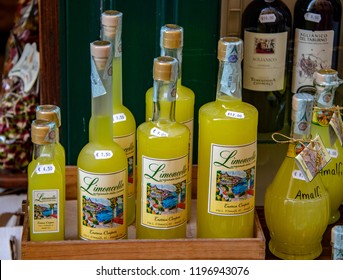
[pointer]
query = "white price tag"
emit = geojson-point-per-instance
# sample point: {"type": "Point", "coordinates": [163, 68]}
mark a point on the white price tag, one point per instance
{"type": "Point", "coordinates": [313, 17]}
{"type": "Point", "coordinates": [103, 154]}
{"type": "Point", "coordinates": [121, 117]}
{"type": "Point", "coordinates": [45, 169]}
{"type": "Point", "coordinates": [332, 152]}
{"type": "Point", "coordinates": [267, 18]}
{"type": "Point", "coordinates": [297, 174]}
{"type": "Point", "coordinates": [158, 132]}
{"type": "Point", "coordinates": [236, 115]}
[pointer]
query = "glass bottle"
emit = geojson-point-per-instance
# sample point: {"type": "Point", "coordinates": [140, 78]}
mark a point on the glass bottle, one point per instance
{"type": "Point", "coordinates": [102, 163]}
{"type": "Point", "coordinates": [266, 32]}
{"type": "Point", "coordinates": [171, 42]}
{"type": "Point", "coordinates": [296, 211]}
{"type": "Point", "coordinates": [326, 82]}
{"type": "Point", "coordinates": [316, 34]}
{"type": "Point", "coordinates": [162, 161]}
{"type": "Point", "coordinates": [227, 153]}
{"type": "Point", "coordinates": [52, 113]}
{"type": "Point", "coordinates": [46, 191]}
{"type": "Point", "coordinates": [124, 124]}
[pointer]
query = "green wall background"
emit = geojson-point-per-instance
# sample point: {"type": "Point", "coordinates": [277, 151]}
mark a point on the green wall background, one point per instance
{"type": "Point", "coordinates": [142, 20]}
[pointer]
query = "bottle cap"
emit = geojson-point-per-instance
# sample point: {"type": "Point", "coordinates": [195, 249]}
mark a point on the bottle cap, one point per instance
{"type": "Point", "coordinates": [101, 49]}
{"type": "Point", "coordinates": [171, 36]}
{"type": "Point", "coordinates": [230, 49]}
{"type": "Point", "coordinates": [302, 106]}
{"type": "Point", "coordinates": [301, 100]}
{"type": "Point", "coordinates": [50, 113]}
{"type": "Point", "coordinates": [165, 68]}
{"type": "Point", "coordinates": [43, 132]}
{"type": "Point", "coordinates": [326, 77]}
{"type": "Point", "coordinates": [337, 237]}
{"type": "Point", "coordinates": [111, 21]}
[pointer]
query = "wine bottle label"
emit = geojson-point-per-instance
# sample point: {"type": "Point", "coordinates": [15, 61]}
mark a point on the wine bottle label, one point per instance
{"type": "Point", "coordinates": [128, 144]}
{"type": "Point", "coordinates": [264, 61]}
{"type": "Point", "coordinates": [102, 200]}
{"type": "Point", "coordinates": [312, 51]}
{"type": "Point", "coordinates": [45, 214]}
{"type": "Point", "coordinates": [232, 179]}
{"type": "Point", "coordinates": [164, 191]}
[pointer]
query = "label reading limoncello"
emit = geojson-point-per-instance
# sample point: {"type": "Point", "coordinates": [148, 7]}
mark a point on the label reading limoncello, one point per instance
{"type": "Point", "coordinates": [164, 192]}
{"type": "Point", "coordinates": [232, 179]}
{"type": "Point", "coordinates": [128, 144]}
{"type": "Point", "coordinates": [101, 205]}
{"type": "Point", "coordinates": [45, 211]}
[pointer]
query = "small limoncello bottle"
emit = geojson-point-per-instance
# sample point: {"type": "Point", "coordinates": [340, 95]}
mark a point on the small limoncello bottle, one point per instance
{"type": "Point", "coordinates": [52, 113]}
{"type": "Point", "coordinates": [46, 191]}
{"type": "Point", "coordinates": [162, 161]}
{"type": "Point", "coordinates": [296, 210]}
{"type": "Point", "coordinates": [227, 153]}
{"type": "Point", "coordinates": [101, 164]}
{"type": "Point", "coordinates": [124, 124]}
{"type": "Point", "coordinates": [171, 42]}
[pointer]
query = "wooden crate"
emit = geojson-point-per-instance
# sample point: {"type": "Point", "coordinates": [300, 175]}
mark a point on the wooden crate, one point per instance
{"type": "Point", "coordinates": [131, 248]}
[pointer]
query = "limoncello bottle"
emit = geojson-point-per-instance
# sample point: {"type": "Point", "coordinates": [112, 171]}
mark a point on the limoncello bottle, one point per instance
{"type": "Point", "coordinates": [46, 191]}
{"type": "Point", "coordinates": [124, 124]}
{"type": "Point", "coordinates": [52, 113]}
{"type": "Point", "coordinates": [227, 153]}
{"type": "Point", "coordinates": [296, 210]}
{"type": "Point", "coordinates": [171, 42]}
{"type": "Point", "coordinates": [326, 82]}
{"type": "Point", "coordinates": [162, 161]}
{"type": "Point", "coordinates": [102, 164]}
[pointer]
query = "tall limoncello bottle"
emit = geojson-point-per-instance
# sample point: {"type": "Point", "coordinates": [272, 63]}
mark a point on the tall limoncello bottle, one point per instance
{"type": "Point", "coordinates": [162, 161]}
{"type": "Point", "coordinates": [52, 113]}
{"type": "Point", "coordinates": [296, 210]}
{"type": "Point", "coordinates": [227, 153]}
{"type": "Point", "coordinates": [102, 164]}
{"type": "Point", "coordinates": [124, 124]}
{"type": "Point", "coordinates": [171, 42]}
{"type": "Point", "coordinates": [46, 190]}
{"type": "Point", "coordinates": [326, 81]}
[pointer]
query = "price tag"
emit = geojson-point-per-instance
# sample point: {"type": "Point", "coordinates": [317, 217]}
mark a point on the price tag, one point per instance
{"type": "Point", "coordinates": [313, 17]}
{"type": "Point", "coordinates": [45, 169]}
{"type": "Point", "coordinates": [158, 132]}
{"type": "Point", "coordinates": [297, 174]}
{"type": "Point", "coordinates": [332, 152]}
{"type": "Point", "coordinates": [236, 115]}
{"type": "Point", "coordinates": [264, 18]}
{"type": "Point", "coordinates": [121, 117]}
{"type": "Point", "coordinates": [103, 154]}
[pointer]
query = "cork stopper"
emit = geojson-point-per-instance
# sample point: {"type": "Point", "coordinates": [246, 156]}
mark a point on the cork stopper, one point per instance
{"type": "Point", "coordinates": [165, 68]}
{"type": "Point", "coordinates": [230, 49]}
{"type": "Point", "coordinates": [171, 36]}
{"type": "Point", "coordinates": [43, 132]}
{"type": "Point", "coordinates": [111, 21]}
{"type": "Point", "coordinates": [326, 77]}
{"type": "Point", "coordinates": [51, 113]}
{"type": "Point", "coordinates": [100, 51]}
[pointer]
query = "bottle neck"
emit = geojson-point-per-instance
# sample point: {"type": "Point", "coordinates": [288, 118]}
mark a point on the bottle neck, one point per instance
{"type": "Point", "coordinates": [164, 101]}
{"type": "Point", "coordinates": [176, 53]}
{"type": "Point", "coordinates": [229, 84]}
{"type": "Point", "coordinates": [45, 151]}
{"type": "Point", "coordinates": [101, 105]}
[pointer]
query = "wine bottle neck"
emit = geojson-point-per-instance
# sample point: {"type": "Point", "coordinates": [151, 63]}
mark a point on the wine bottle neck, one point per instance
{"type": "Point", "coordinates": [176, 53]}
{"type": "Point", "coordinates": [229, 84]}
{"type": "Point", "coordinates": [164, 101]}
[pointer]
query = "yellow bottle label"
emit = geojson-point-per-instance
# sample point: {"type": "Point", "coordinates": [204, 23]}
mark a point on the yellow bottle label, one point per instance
{"type": "Point", "coordinates": [102, 201]}
{"type": "Point", "coordinates": [164, 192]}
{"type": "Point", "coordinates": [128, 143]}
{"type": "Point", "coordinates": [232, 179]}
{"type": "Point", "coordinates": [45, 214]}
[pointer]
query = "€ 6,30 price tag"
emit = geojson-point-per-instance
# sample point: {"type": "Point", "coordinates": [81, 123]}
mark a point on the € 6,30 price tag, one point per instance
{"type": "Point", "coordinates": [104, 154]}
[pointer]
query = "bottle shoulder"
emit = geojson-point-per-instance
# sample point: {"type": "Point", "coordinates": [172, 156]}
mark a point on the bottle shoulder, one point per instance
{"type": "Point", "coordinates": [220, 108]}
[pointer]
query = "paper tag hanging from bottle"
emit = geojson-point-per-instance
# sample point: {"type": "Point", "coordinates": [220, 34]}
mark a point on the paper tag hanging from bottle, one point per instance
{"type": "Point", "coordinates": [313, 158]}
{"type": "Point", "coordinates": [336, 128]}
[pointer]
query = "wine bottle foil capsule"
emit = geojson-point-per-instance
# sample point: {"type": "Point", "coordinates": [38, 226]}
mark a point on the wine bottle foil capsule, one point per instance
{"type": "Point", "coordinates": [43, 132]}
{"type": "Point", "coordinates": [171, 36]}
{"type": "Point", "coordinates": [165, 68]}
{"type": "Point", "coordinates": [230, 49]}
{"type": "Point", "coordinates": [50, 113]}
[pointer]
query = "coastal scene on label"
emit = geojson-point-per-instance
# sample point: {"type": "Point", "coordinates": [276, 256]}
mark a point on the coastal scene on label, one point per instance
{"type": "Point", "coordinates": [162, 199]}
{"type": "Point", "coordinates": [45, 211]}
{"type": "Point", "coordinates": [235, 185]}
{"type": "Point", "coordinates": [102, 212]}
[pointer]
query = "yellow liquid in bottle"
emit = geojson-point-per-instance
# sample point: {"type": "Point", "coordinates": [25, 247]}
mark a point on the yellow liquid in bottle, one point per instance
{"type": "Point", "coordinates": [332, 173]}
{"type": "Point", "coordinates": [46, 194]}
{"type": "Point", "coordinates": [216, 127]}
{"type": "Point", "coordinates": [184, 113]}
{"type": "Point", "coordinates": [297, 213]}
{"type": "Point", "coordinates": [114, 164]}
{"type": "Point", "coordinates": [166, 149]}
{"type": "Point", "coordinates": [124, 134]}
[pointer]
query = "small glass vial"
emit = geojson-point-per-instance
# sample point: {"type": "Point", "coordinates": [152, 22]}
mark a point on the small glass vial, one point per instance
{"type": "Point", "coordinates": [337, 242]}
